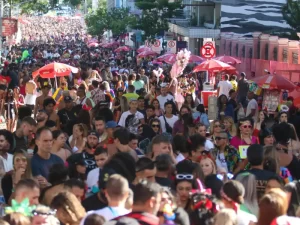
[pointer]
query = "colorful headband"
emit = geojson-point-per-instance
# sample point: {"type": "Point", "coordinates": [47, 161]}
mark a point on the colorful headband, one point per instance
{"type": "Point", "coordinates": [23, 208]}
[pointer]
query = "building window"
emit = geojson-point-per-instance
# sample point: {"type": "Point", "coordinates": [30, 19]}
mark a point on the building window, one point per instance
{"type": "Point", "coordinates": [295, 58]}
{"type": "Point", "coordinates": [258, 50]}
{"type": "Point", "coordinates": [285, 55]}
{"type": "Point", "coordinates": [243, 51]}
{"type": "Point", "coordinates": [266, 52]}
{"type": "Point", "coordinates": [237, 50]}
{"type": "Point", "coordinates": [230, 48]}
{"type": "Point", "coordinates": [275, 54]}
{"type": "Point", "coordinates": [250, 53]}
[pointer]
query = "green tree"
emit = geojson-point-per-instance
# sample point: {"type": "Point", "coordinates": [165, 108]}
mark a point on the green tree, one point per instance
{"type": "Point", "coordinates": [155, 16]}
{"type": "Point", "coordinates": [291, 14]}
{"type": "Point", "coordinates": [117, 20]}
{"type": "Point", "coordinates": [34, 6]}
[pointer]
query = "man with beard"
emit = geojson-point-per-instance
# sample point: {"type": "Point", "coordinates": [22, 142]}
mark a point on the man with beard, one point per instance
{"type": "Point", "coordinates": [87, 155]}
{"type": "Point", "coordinates": [41, 118]}
{"type": "Point", "coordinates": [100, 128]}
{"type": "Point", "coordinates": [66, 114]}
{"type": "Point", "coordinates": [6, 159]}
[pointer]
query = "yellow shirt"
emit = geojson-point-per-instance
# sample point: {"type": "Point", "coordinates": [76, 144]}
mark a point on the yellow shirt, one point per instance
{"type": "Point", "coordinates": [234, 84]}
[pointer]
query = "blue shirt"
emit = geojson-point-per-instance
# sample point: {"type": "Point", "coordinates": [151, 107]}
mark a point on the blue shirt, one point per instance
{"type": "Point", "coordinates": [42, 166]}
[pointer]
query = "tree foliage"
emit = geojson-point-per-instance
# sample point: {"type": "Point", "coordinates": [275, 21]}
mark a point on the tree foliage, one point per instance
{"type": "Point", "coordinates": [117, 20]}
{"type": "Point", "coordinates": [155, 15]}
{"type": "Point", "coordinates": [34, 6]}
{"type": "Point", "coordinates": [291, 14]}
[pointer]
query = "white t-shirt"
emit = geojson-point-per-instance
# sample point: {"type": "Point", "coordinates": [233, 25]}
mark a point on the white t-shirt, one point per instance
{"type": "Point", "coordinates": [221, 162]}
{"type": "Point", "coordinates": [225, 86]}
{"type": "Point", "coordinates": [170, 121]}
{"type": "Point", "coordinates": [252, 105]}
{"type": "Point", "coordinates": [108, 213]}
{"type": "Point", "coordinates": [245, 218]}
{"type": "Point", "coordinates": [127, 113]}
{"type": "Point", "coordinates": [8, 163]}
{"type": "Point", "coordinates": [163, 99]}
{"type": "Point", "coordinates": [179, 158]}
{"type": "Point", "coordinates": [92, 178]}
{"type": "Point", "coordinates": [208, 145]}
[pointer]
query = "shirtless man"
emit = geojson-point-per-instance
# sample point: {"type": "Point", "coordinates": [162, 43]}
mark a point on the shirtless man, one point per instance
{"type": "Point", "coordinates": [48, 105]}
{"type": "Point", "coordinates": [46, 87]}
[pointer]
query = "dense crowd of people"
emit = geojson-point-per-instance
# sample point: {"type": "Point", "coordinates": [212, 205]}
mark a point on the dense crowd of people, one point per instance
{"type": "Point", "coordinates": [121, 142]}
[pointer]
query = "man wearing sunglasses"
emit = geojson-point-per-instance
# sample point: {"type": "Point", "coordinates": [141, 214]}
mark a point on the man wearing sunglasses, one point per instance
{"type": "Point", "coordinates": [227, 157]}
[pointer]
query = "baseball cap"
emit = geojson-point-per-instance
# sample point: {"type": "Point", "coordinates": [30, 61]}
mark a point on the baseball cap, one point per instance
{"type": "Point", "coordinates": [111, 124]}
{"type": "Point", "coordinates": [68, 99]}
{"type": "Point", "coordinates": [94, 133]}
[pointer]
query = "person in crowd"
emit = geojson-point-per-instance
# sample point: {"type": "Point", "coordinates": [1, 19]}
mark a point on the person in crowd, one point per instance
{"type": "Point", "coordinates": [83, 99]}
{"type": "Point", "coordinates": [6, 159]}
{"type": "Point", "coordinates": [201, 129]}
{"type": "Point", "coordinates": [196, 146]}
{"type": "Point", "coordinates": [138, 83]}
{"type": "Point", "coordinates": [26, 128]}
{"type": "Point", "coordinates": [157, 110]}
{"type": "Point", "coordinates": [77, 187]}
{"type": "Point", "coordinates": [161, 144]}
{"type": "Point", "coordinates": [78, 139]}
{"type": "Point", "coordinates": [272, 205]}
{"type": "Point", "coordinates": [101, 156]}
{"type": "Point", "coordinates": [21, 170]}
{"type": "Point", "coordinates": [150, 114]}
{"type": "Point", "coordinates": [292, 191]}
{"type": "Point", "coordinates": [274, 182]}
{"type": "Point", "coordinates": [225, 109]}
{"type": "Point", "coordinates": [17, 218]}
{"type": "Point", "coordinates": [230, 127]}
{"type": "Point", "coordinates": [265, 136]}
{"type": "Point", "coordinates": [141, 105]}
{"type": "Point", "coordinates": [94, 219]}
{"type": "Point", "coordinates": [43, 159]}
{"type": "Point", "coordinates": [145, 169]}
{"type": "Point", "coordinates": [233, 82]}
{"type": "Point", "coordinates": [262, 117]}
{"type": "Point", "coordinates": [232, 195]}
{"type": "Point", "coordinates": [27, 188]}
{"type": "Point", "coordinates": [250, 204]}
{"type": "Point", "coordinates": [86, 158]}
{"type": "Point", "coordinates": [184, 184]}
{"type": "Point", "coordinates": [48, 106]}
{"type": "Point", "coordinates": [69, 209]}
{"type": "Point", "coordinates": [189, 101]}
{"type": "Point", "coordinates": [208, 165]}
{"type": "Point", "coordinates": [226, 216]}
{"type": "Point", "coordinates": [11, 110]}
{"type": "Point", "coordinates": [232, 101]}
{"type": "Point", "coordinates": [106, 74]}
{"type": "Point", "coordinates": [110, 127]}
{"type": "Point", "coordinates": [244, 134]}
{"type": "Point", "coordinates": [168, 120]}
{"type": "Point", "coordinates": [45, 88]}
{"type": "Point", "coordinates": [200, 115]}
{"type": "Point", "coordinates": [242, 90]}
{"type": "Point", "coordinates": [180, 148]}
{"type": "Point", "coordinates": [117, 104]}
{"type": "Point", "coordinates": [131, 93]}
{"type": "Point", "coordinates": [224, 86]}
{"type": "Point", "coordinates": [252, 107]}
{"type": "Point", "coordinates": [121, 141]}
{"type": "Point", "coordinates": [215, 128]}
{"type": "Point", "coordinates": [117, 193]}
{"type": "Point", "coordinates": [226, 156]}
{"type": "Point", "coordinates": [67, 113]}
{"type": "Point", "coordinates": [100, 127]}
{"type": "Point", "coordinates": [180, 124]}
{"type": "Point", "coordinates": [144, 78]}
{"type": "Point", "coordinates": [164, 96]}
{"type": "Point", "coordinates": [59, 142]}
{"type": "Point", "coordinates": [164, 169]}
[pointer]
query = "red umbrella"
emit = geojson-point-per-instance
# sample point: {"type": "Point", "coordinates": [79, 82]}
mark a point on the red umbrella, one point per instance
{"type": "Point", "coordinates": [274, 82]}
{"type": "Point", "coordinates": [123, 49]}
{"type": "Point", "coordinates": [143, 48]}
{"type": "Point", "coordinates": [213, 66]}
{"type": "Point", "coordinates": [147, 53]}
{"type": "Point", "coordinates": [55, 69]}
{"type": "Point", "coordinates": [170, 58]}
{"type": "Point", "coordinates": [93, 45]}
{"type": "Point", "coordinates": [196, 59]}
{"type": "Point", "coordinates": [228, 59]}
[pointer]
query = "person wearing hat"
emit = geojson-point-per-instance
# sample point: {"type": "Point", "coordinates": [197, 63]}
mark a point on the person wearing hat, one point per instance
{"type": "Point", "coordinates": [110, 127]}
{"type": "Point", "coordinates": [45, 87]}
{"type": "Point", "coordinates": [87, 155]}
{"type": "Point", "coordinates": [67, 113]}
{"type": "Point", "coordinates": [242, 90]}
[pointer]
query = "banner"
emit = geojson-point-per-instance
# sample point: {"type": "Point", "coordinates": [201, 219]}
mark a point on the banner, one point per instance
{"type": "Point", "coordinates": [9, 26]}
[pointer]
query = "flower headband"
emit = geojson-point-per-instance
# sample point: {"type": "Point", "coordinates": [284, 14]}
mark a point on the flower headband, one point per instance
{"type": "Point", "coordinates": [23, 208]}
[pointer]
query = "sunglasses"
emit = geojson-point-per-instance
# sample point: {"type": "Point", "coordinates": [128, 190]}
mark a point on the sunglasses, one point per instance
{"type": "Point", "coordinates": [216, 126]}
{"type": "Point", "coordinates": [247, 126]}
{"type": "Point", "coordinates": [184, 177]}
{"type": "Point", "coordinates": [155, 125]}
{"type": "Point", "coordinates": [220, 138]}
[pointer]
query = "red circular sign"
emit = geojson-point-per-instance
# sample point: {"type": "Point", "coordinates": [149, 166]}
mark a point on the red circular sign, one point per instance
{"type": "Point", "coordinates": [156, 43]}
{"type": "Point", "coordinates": [171, 44]}
{"type": "Point", "coordinates": [208, 50]}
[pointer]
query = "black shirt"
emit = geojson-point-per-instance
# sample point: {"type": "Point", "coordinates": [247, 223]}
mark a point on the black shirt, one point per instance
{"type": "Point", "coordinates": [89, 160]}
{"type": "Point", "coordinates": [66, 115]}
{"type": "Point", "coordinates": [93, 203]}
{"type": "Point", "coordinates": [165, 182]}
{"type": "Point", "coordinates": [7, 186]}
{"type": "Point", "coordinates": [19, 143]}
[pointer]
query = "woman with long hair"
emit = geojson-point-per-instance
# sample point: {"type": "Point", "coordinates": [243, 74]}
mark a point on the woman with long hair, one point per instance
{"type": "Point", "coordinates": [78, 139]}
{"type": "Point", "coordinates": [189, 101]}
{"type": "Point", "coordinates": [156, 105]}
{"type": "Point", "coordinates": [272, 205]}
{"type": "Point", "coordinates": [215, 128]}
{"type": "Point", "coordinates": [22, 170]}
{"type": "Point", "coordinates": [200, 116]}
{"type": "Point", "coordinates": [155, 125]}
{"type": "Point", "coordinates": [250, 204]}
{"type": "Point", "coordinates": [116, 105]}
{"type": "Point", "coordinates": [292, 190]}
{"type": "Point", "coordinates": [69, 209]}
{"type": "Point", "coordinates": [262, 116]}
{"type": "Point", "coordinates": [184, 184]}
{"type": "Point", "coordinates": [244, 134]}
{"type": "Point", "coordinates": [11, 110]}
{"type": "Point", "coordinates": [181, 123]}
{"type": "Point", "coordinates": [59, 141]}
{"type": "Point", "coordinates": [229, 127]}
{"type": "Point", "coordinates": [208, 165]}
{"type": "Point", "coordinates": [225, 109]}
{"type": "Point", "coordinates": [16, 218]}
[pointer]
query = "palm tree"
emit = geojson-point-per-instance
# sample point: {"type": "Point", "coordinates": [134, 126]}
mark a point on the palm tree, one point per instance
{"type": "Point", "coordinates": [291, 14]}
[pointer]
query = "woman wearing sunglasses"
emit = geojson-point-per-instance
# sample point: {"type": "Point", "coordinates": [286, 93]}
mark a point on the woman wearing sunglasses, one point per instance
{"type": "Point", "coordinates": [244, 134]}
{"type": "Point", "coordinates": [22, 170]}
{"type": "Point", "coordinates": [155, 124]}
{"type": "Point", "coordinates": [184, 184]}
{"type": "Point", "coordinates": [215, 129]}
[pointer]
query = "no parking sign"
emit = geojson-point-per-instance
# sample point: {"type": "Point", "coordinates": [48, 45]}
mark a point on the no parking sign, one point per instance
{"type": "Point", "coordinates": [208, 50]}
{"type": "Point", "coordinates": [171, 46]}
{"type": "Point", "coordinates": [157, 46]}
